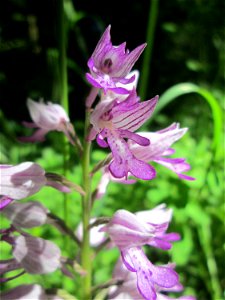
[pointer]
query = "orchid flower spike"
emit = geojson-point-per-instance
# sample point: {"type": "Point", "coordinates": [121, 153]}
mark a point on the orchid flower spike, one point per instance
{"type": "Point", "coordinates": [109, 65]}
{"type": "Point", "coordinates": [115, 121]}
{"type": "Point", "coordinates": [47, 117]}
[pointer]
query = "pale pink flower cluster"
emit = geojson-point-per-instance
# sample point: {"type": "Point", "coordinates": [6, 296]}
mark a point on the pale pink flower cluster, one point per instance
{"type": "Point", "coordinates": [31, 254]}
{"type": "Point", "coordinates": [120, 113]}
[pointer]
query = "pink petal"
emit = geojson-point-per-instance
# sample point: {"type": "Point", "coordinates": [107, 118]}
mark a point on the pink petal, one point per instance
{"type": "Point", "coordinates": [4, 202]}
{"type": "Point", "coordinates": [37, 136]}
{"type": "Point", "coordinates": [135, 116]}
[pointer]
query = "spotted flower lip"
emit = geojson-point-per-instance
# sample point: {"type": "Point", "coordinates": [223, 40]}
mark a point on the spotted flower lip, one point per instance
{"type": "Point", "coordinates": [110, 64]}
{"type": "Point", "coordinates": [129, 232]}
{"type": "Point", "coordinates": [116, 121]}
{"type": "Point", "coordinates": [149, 276]}
{"type": "Point", "coordinates": [128, 290]}
{"type": "Point", "coordinates": [47, 117]}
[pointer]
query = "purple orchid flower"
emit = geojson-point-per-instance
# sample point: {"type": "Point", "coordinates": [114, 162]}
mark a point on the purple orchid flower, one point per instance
{"type": "Point", "coordinates": [148, 275]}
{"type": "Point", "coordinates": [132, 230]}
{"type": "Point", "coordinates": [36, 255]}
{"type": "Point", "coordinates": [110, 64]}
{"type": "Point", "coordinates": [47, 117]}
{"type": "Point", "coordinates": [25, 179]}
{"type": "Point", "coordinates": [159, 148]}
{"type": "Point", "coordinates": [26, 215]}
{"type": "Point", "coordinates": [129, 232]}
{"type": "Point", "coordinates": [128, 290]}
{"type": "Point", "coordinates": [21, 181]}
{"type": "Point", "coordinates": [116, 121]}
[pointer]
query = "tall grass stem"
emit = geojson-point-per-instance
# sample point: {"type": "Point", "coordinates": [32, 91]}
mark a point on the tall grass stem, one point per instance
{"type": "Point", "coordinates": [146, 66]}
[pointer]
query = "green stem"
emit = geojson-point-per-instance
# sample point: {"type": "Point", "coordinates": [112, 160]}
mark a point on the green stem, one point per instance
{"type": "Point", "coordinates": [145, 72]}
{"type": "Point", "coordinates": [63, 57]}
{"type": "Point", "coordinates": [86, 213]}
{"type": "Point", "coordinates": [63, 90]}
{"type": "Point", "coordinates": [204, 233]}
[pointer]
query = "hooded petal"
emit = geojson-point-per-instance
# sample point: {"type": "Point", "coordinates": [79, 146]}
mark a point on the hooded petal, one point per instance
{"type": "Point", "coordinates": [110, 64]}
{"type": "Point", "coordinates": [36, 255]}
{"type": "Point", "coordinates": [127, 230]}
{"type": "Point", "coordinates": [46, 116]}
{"type": "Point", "coordinates": [158, 215]}
{"type": "Point", "coordinates": [22, 180]}
{"type": "Point", "coordinates": [130, 116]}
{"type": "Point", "coordinates": [26, 215]}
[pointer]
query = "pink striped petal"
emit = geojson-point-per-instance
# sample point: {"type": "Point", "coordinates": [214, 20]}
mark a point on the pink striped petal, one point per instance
{"type": "Point", "coordinates": [135, 116]}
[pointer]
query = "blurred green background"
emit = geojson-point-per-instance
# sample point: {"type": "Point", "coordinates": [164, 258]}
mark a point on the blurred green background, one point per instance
{"type": "Point", "coordinates": [183, 63]}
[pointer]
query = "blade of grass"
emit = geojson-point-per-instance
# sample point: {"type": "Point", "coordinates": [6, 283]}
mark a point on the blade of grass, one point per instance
{"type": "Point", "coordinates": [181, 89]}
{"type": "Point", "coordinates": [145, 71]}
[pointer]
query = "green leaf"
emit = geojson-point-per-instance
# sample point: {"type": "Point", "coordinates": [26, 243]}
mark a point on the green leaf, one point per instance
{"type": "Point", "coordinates": [186, 88]}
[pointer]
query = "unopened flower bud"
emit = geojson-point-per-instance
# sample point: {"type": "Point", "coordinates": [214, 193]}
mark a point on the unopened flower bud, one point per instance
{"type": "Point", "coordinates": [36, 255]}
{"type": "Point", "coordinates": [26, 215]}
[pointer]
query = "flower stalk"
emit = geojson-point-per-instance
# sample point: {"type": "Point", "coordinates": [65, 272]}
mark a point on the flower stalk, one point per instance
{"type": "Point", "coordinates": [86, 213]}
{"type": "Point", "coordinates": [146, 68]}
{"type": "Point", "coordinates": [63, 90]}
